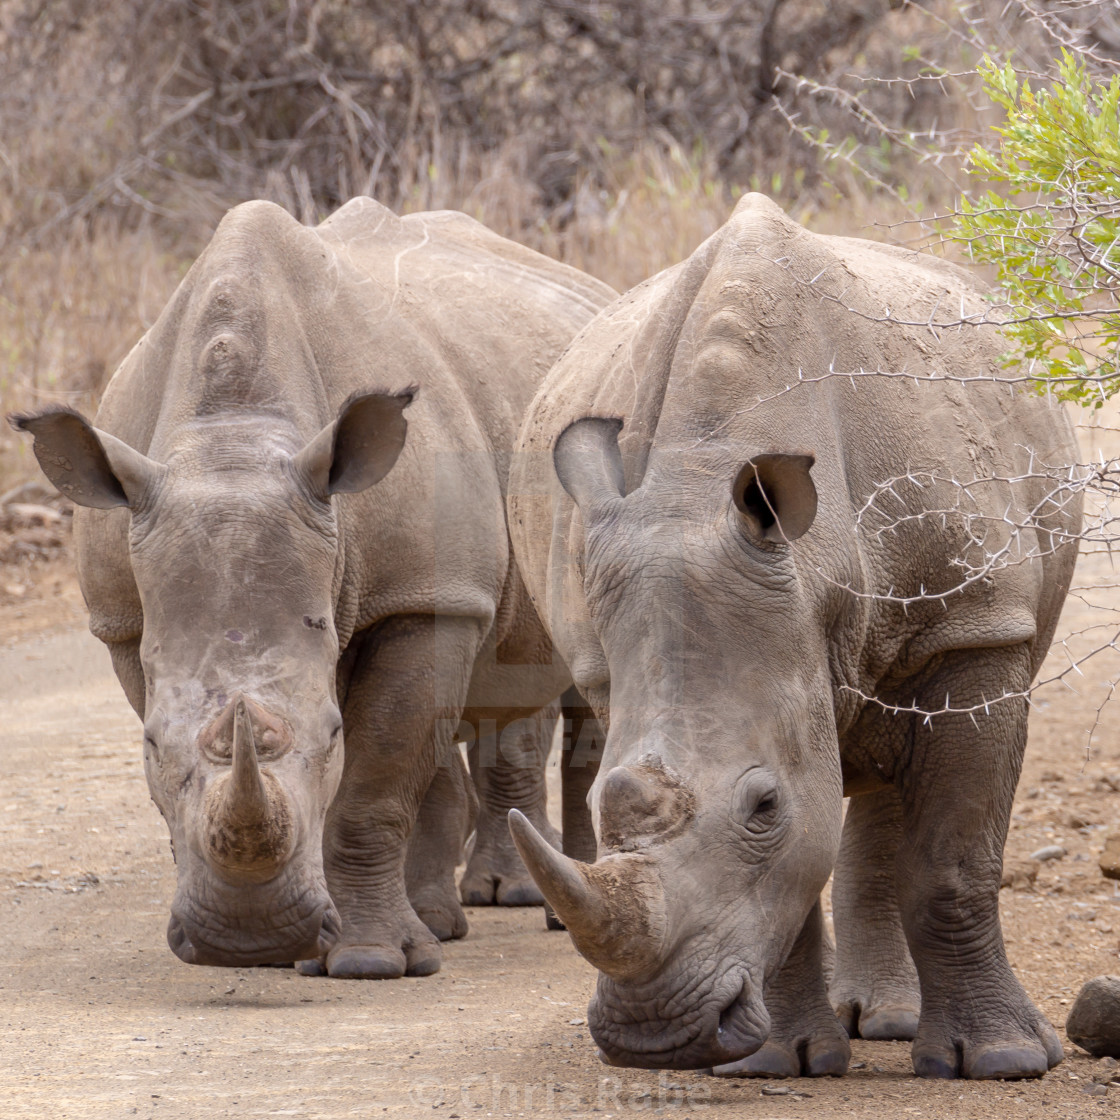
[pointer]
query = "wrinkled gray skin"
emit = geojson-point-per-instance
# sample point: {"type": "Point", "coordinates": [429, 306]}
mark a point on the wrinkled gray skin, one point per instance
{"type": "Point", "coordinates": [293, 530]}
{"type": "Point", "coordinates": [689, 533]}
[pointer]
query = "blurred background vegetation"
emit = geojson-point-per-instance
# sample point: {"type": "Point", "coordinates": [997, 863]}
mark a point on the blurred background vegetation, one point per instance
{"type": "Point", "coordinates": [612, 134]}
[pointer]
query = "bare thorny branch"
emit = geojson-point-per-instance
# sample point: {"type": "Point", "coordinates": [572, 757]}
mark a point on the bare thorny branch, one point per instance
{"type": "Point", "coordinates": [992, 534]}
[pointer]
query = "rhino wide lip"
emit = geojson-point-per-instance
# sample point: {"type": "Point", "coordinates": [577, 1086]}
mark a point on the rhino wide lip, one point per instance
{"type": "Point", "coordinates": [207, 938]}
{"type": "Point", "coordinates": [718, 1037]}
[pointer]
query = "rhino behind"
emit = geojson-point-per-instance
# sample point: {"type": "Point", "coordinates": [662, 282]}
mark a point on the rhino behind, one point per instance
{"type": "Point", "coordinates": [253, 615]}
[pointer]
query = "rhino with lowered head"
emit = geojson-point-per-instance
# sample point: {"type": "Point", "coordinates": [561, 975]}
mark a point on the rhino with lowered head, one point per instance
{"type": "Point", "coordinates": [763, 590]}
{"type": "Point", "coordinates": [291, 530]}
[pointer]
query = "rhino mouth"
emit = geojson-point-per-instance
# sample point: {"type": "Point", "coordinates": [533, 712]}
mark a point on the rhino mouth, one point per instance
{"type": "Point", "coordinates": [305, 933]}
{"type": "Point", "coordinates": [729, 1029]}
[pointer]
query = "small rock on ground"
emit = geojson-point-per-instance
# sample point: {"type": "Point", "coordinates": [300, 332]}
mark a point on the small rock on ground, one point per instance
{"type": "Point", "coordinates": [1051, 851]}
{"type": "Point", "coordinates": [1094, 1019]}
{"type": "Point", "coordinates": [1107, 1072]}
{"type": "Point", "coordinates": [1110, 857]}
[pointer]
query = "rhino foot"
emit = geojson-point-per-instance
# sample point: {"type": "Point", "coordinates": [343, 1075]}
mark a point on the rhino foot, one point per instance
{"type": "Point", "coordinates": [383, 962]}
{"type": "Point", "coordinates": [413, 952]}
{"type": "Point", "coordinates": [483, 888]}
{"type": "Point", "coordinates": [876, 997]}
{"type": "Point", "coordinates": [495, 875]}
{"type": "Point", "coordinates": [374, 962]}
{"type": "Point", "coordinates": [440, 912]}
{"type": "Point", "coordinates": [874, 986]}
{"type": "Point", "coordinates": [945, 1051]}
{"type": "Point", "coordinates": [891, 1022]}
{"type": "Point", "coordinates": [824, 1054]}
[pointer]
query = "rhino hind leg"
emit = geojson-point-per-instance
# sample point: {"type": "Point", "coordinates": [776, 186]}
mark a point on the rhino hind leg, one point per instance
{"type": "Point", "coordinates": [508, 766]}
{"type": "Point", "coordinates": [874, 986]}
{"type": "Point", "coordinates": [957, 787]}
{"type": "Point", "coordinates": [447, 817]}
{"type": "Point", "coordinates": [805, 1038]}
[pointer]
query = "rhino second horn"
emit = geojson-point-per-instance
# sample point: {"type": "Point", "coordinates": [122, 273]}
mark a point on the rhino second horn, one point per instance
{"type": "Point", "coordinates": [248, 821]}
{"type": "Point", "coordinates": [613, 909]}
{"type": "Point", "coordinates": [246, 797]}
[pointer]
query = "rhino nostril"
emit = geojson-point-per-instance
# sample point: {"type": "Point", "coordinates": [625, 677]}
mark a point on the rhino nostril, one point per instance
{"type": "Point", "coordinates": [332, 924]}
{"type": "Point", "coordinates": [330, 929]}
{"type": "Point", "coordinates": [178, 941]}
{"type": "Point", "coordinates": [727, 1014]}
{"type": "Point", "coordinates": [744, 1024]}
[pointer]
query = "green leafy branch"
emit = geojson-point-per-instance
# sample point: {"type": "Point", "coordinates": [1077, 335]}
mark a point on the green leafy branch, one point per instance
{"type": "Point", "coordinates": [1050, 223]}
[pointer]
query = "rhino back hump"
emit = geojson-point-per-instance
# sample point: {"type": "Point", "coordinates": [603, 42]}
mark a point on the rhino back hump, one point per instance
{"type": "Point", "coordinates": [277, 323]}
{"type": "Point", "coordinates": [755, 347]}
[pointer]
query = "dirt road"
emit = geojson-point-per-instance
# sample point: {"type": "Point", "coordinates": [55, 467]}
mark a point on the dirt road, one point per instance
{"type": "Point", "coordinates": [98, 1019]}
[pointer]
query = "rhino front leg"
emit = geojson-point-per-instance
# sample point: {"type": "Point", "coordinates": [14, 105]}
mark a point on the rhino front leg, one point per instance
{"type": "Point", "coordinates": [508, 760]}
{"type": "Point", "coordinates": [400, 715]}
{"type": "Point", "coordinates": [957, 785]}
{"type": "Point", "coordinates": [447, 817]}
{"type": "Point", "coordinates": [874, 984]}
{"type": "Point", "coordinates": [805, 1038]}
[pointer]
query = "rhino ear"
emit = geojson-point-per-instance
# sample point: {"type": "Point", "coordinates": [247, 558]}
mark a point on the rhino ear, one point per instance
{"type": "Point", "coordinates": [358, 448]}
{"type": "Point", "coordinates": [91, 467]}
{"type": "Point", "coordinates": [588, 461]}
{"type": "Point", "coordinates": [776, 497]}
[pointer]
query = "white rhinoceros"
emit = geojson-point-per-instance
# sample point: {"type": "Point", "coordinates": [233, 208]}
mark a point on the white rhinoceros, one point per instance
{"type": "Point", "coordinates": [293, 528]}
{"type": "Point", "coordinates": [696, 540]}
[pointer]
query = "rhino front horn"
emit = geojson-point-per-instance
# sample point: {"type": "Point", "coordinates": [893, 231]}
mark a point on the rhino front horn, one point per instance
{"type": "Point", "coordinates": [248, 822]}
{"type": "Point", "coordinates": [613, 909]}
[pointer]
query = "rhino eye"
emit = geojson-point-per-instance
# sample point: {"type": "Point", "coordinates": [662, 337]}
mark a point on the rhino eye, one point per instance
{"type": "Point", "coordinates": [762, 815]}
{"type": "Point", "coordinates": [758, 806]}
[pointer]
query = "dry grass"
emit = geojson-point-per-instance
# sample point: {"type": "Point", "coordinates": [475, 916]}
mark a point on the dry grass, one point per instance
{"type": "Point", "coordinates": [69, 312]}
{"type": "Point", "coordinates": [72, 307]}
{"type": "Point", "coordinates": [654, 207]}
{"type": "Point", "coordinates": [130, 128]}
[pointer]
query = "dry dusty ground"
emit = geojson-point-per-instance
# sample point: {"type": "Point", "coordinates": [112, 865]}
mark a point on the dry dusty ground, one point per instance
{"type": "Point", "coordinates": [98, 1019]}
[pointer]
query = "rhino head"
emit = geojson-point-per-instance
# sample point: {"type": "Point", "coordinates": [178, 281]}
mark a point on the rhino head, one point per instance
{"type": "Point", "coordinates": [236, 552]}
{"type": "Point", "coordinates": [718, 800]}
